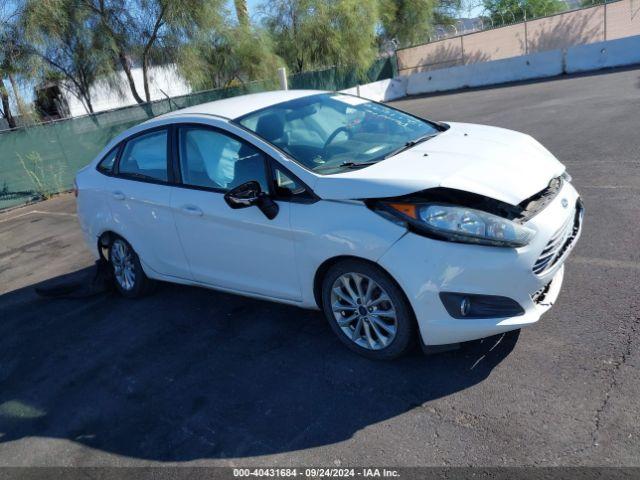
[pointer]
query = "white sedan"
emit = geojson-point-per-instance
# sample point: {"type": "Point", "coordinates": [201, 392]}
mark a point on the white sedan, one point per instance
{"type": "Point", "coordinates": [396, 227]}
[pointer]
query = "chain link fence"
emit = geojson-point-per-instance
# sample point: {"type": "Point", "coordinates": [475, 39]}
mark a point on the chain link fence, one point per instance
{"type": "Point", "coordinates": [42, 160]}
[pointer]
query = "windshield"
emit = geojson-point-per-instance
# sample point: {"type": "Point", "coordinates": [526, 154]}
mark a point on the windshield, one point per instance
{"type": "Point", "coordinates": [329, 133]}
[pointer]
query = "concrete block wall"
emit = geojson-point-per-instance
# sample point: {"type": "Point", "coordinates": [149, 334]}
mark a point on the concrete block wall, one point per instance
{"type": "Point", "coordinates": [494, 44]}
{"type": "Point", "coordinates": [595, 24]}
{"type": "Point", "coordinates": [623, 19]}
{"type": "Point", "coordinates": [525, 67]}
{"type": "Point", "coordinates": [566, 30]}
{"type": "Point", "coordinates": [442, 54]}
{"type": "Point", "coordinates": [581, 58]}
{"type": "Point", "coordinates": [381, 91]}
{"type": "Point", "coordinates": [613, 53]}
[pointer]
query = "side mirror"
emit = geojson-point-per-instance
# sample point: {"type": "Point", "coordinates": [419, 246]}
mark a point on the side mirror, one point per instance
{"type": "Point", "coordinates": [249, 194]}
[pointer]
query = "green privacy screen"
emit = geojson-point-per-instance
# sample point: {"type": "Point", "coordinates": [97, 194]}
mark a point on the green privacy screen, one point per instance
{"type": "Point", "coordinates": [42, 160]}
{"type": "Point", "coordinates": [342, 78]}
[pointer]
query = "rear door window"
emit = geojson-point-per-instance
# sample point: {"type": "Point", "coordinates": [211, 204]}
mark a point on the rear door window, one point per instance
{"type": "Point", "coordinates": [145, 157]}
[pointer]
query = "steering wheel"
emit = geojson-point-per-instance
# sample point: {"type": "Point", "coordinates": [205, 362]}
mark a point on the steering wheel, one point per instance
{"type": "Point", "coordinates": [334, 135]}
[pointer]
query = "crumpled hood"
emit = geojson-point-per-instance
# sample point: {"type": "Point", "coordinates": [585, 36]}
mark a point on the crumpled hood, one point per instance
{"type": "Point", "coordinates": [490, 161]}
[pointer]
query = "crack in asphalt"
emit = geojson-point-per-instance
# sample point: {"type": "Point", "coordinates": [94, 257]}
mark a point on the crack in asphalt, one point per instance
{"type": "Point", "coordinates": [613, 383]}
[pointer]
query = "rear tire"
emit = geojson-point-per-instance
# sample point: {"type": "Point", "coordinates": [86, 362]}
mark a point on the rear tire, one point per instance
{"type": "Point", "coordinates": [128, 275]}
{"type": "Point", "coordinates": [368, 310]}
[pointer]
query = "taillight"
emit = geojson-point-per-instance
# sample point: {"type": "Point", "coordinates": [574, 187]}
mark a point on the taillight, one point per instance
{"type": "Point", "coordinates": [75, 188]}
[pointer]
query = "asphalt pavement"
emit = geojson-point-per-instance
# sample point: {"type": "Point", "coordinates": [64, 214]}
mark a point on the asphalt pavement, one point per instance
{"type": "Point", "coordinates": [191, 376]}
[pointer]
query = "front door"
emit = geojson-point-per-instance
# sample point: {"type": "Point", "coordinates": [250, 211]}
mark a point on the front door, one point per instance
{"type": "Point", "coordinates": [236, 249]}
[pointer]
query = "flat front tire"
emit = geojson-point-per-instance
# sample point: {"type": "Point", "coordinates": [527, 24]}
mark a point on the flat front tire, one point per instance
{"type": "Point", "coordinates": [367, 310]}
{"type": "Point", "coordinates": [128, 275]}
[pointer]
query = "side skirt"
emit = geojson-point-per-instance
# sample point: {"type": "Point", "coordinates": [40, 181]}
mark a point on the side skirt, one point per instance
{"type": "Point", "coordinates": [184, 281]}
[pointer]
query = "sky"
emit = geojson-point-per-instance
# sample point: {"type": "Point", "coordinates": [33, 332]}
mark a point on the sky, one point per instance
{"type": "Point", "coordinates": [253, 5]}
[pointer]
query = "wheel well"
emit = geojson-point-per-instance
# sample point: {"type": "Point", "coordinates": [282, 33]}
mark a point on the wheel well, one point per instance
{"type": "Point", "coordinates": [104, 241]}
{"type": "Point", "coordinates": [327, 264]}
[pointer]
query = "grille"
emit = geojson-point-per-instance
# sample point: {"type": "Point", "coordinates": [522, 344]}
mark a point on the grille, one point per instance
{"type": "Point", "coordinates": [560, 243]}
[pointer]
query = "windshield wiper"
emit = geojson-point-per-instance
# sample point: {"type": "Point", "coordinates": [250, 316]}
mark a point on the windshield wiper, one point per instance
{"type": "Point", "coordinates": [345, 165]}
{"type": "Point", "coordinates": [409, 144]}
{"type": "Point", "coordinates": [356, 164]}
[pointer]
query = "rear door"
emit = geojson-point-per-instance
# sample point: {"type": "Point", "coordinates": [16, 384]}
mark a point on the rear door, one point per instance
{"type": "Point", "coordinates": [236, 249]}
{"type": "Point", "coordinates": [140, 200]}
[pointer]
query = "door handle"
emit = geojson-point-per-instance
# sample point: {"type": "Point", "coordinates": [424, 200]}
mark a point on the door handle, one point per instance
{"type": "Point", "coordinates": [192, 210]}
{"type": "Point", "coordinates": [117, 195]}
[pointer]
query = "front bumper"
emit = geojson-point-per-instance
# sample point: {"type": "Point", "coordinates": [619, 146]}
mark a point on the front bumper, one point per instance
{"type": "Point", "coordinates": [425, 267]}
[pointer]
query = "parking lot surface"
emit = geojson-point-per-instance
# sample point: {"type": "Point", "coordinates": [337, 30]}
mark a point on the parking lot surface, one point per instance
{"type": "Point", "coordinates": [192, 376]}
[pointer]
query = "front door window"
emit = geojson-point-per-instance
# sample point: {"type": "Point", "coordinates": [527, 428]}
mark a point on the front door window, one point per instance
{"type": "Point", "coordinates": [212, 159]}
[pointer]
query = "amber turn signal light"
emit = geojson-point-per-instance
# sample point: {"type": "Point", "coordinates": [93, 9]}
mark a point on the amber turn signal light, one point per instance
{"type": "Point", "coordinates": [405, 208]}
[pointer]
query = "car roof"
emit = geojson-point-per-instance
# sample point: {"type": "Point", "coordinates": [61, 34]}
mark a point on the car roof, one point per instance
{"type": "Point", "coordinates": [236, 107]}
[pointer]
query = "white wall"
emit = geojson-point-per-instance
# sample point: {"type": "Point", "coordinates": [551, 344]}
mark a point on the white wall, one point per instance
{"type": "Point", "coordinates": [613, 53]}
{"type": "Point", "coordinates": [537, 65]}
{"type": "Point", "coordinates": [165, 78]}
{"type": "Point", "coordinates": [381, 91]}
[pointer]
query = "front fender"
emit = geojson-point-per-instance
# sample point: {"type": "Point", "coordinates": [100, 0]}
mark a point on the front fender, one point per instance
{"type": "Point", "coordinates": [327, 229]}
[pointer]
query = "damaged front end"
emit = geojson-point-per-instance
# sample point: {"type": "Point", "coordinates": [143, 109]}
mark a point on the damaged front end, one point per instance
{"type": "Point", "coordinates": [466, 217]}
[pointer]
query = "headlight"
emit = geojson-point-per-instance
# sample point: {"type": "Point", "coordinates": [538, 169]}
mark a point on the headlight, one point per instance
{"type": "Point", "coordinates": [461, 224]}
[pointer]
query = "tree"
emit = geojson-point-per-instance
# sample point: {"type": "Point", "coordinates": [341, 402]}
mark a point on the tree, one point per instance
{"type": "Point", "coordinates": [149, 31]}
{"type": "Point", "coordinates": [448, 11]}
{"type": "Point", "coordinates": [5, 109]}
{"type": "Point", "coordinates": [65, 40]}
{"type": "Point", "coordinates": [12, 60]}
{"type": "Point", "coordinates": [310, 34]}
{"type": "Point", "coordinates": [136, 32]}
{"type": "Point", "coordinates": [507, 11]}
{"type": "Point", "coordinates": [408, 22]}
{"type": "Point", "coordinates": [242, 12]}
{"type": "Point", "coordinates": [229, 55]}
{"type": "Point", "coordinates": [5, 23]}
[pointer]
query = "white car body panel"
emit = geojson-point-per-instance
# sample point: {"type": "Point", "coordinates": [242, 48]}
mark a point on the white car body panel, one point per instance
{"type": "Point", "coordinates": [329, 229]}
{"type": "Point", "coordinates": [142, 211]}
{"type": "Point", "coordinates": [236, 249]}
{"type": "Point", "coordinates": [495, 162]}
{"type": "Point", "coordinates": [243, 252]}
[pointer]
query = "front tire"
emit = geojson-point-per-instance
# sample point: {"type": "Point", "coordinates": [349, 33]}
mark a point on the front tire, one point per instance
{"type": "Point", "coordinates": [128, 275]}
{"type": "Point", "coordinates": [367, 310]}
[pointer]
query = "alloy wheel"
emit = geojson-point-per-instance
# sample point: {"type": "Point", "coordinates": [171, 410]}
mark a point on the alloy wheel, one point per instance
{"type": "Point", "coordinates": [364, 311]}
{"type": "Point", "coordinates": [123, 264]}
